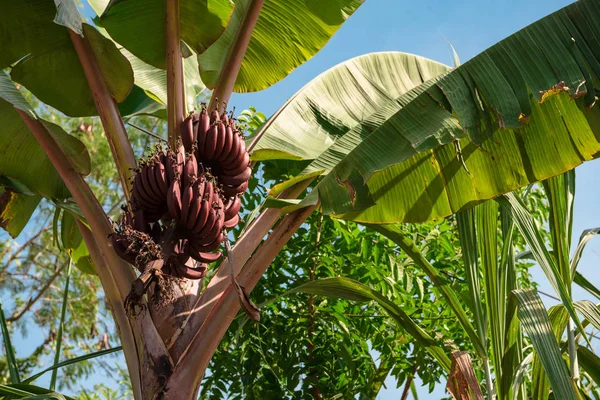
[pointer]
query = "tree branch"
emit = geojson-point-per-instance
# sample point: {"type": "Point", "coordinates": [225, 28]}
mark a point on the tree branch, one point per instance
{"type": "Point", "coordinates": [115, 131]}
{"type": "Point", "coordinates": [18, 314]}
{"type": "Point", "coordinates": [231, 69]}
{"type": "Point", "coordinates": [175, 86]}
{"type": "Point", "coordinates": [25, 245]}
{"type": "Point", "coordinates": [408, 384]}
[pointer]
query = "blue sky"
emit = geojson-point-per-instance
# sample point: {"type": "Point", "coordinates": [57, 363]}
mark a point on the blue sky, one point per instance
{"type": "Point", "coordinates": [422, 27]}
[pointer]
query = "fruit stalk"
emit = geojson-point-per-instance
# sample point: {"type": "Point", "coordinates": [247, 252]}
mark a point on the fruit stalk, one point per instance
{"type": "Point", "coordinates": [175, 87]}
{"type": "Point", "coordinates": [229, 73]}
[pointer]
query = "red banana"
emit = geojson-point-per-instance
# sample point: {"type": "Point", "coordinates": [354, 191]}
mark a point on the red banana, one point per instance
{"type": "Point", "coordinates": [204, 257]}
{"type": "Point", "coordinates": [211, 142]}
{"type": "Point", "coordinates": [238, 179]}
{"type": "Point", "coordinates": [187, 133]}
{"type": "Point", "coordinates": [174, 200]}
{"type": "Point", "coordinates": [186, 200]}
{"type": "Point", "coordinates": [232, 209]}
{"type": "Point", "coordinates": [196, 205]}
{"type": "Point", "coordinates": [221, 136]}
{"type": "Point", "coordinates": [232, 222]}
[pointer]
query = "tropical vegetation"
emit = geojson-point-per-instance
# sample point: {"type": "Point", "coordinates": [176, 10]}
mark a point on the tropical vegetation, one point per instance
{"type": "Point", "coordinates": [390, 197]}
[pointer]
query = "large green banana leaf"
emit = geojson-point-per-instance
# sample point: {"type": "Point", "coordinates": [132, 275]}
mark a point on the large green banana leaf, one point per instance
{"type": "Point", "coordinates": [520, 112]}
{"type": "Point", "coordinates": [139, 25]}
{"type": "Point", "coordinates": [34, 35]}
{"type": "Point", "coordinates": [24, 166]}
{"type": "Point", "coordinates": [287, 34]}
{"type": "Point", "coordinates": [15, 210]}
{"type": "Point", "coordinates": [154, 80]}
{"type": "Point", "coordinates": [344, 99]}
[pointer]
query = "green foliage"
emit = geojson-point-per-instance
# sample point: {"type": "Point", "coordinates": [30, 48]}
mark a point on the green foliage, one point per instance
{"type": "Point", "coordinates": [303, 27]}
{"type": "Point", "coordinates": [397, 137]}
{"type": "Point", "coordinates": [506, 118]}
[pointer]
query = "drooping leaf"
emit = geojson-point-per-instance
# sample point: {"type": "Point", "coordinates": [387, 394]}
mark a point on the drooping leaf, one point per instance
{"type": "Point", "coordinates": [536, 325]}
{"type": "Point", "coordinates": [30, 392]}
{"type": "Point", "coordinates": [512, 111]}
{"type": "Point", "coordinates": [333, 112]}
{"type": "Point", "coordinates": [590, 312]}
{"type": "Point", "coordinates": [560, 191]}
{"type": "Point", "coordinates": [587, 285]}
{"type": "Point", "coordinates": [154, 80]}
{"type": "Point", "coordinates": [139, 25]}
{"type": "Point", "coordinates": [350, 289]}
{"type": "Point", "coordinates": [17, 143]}
{"type": "Point", "coordinates": [16, 210]}
{"type": "Point", "coordinates": [71, 94]}
{"type": "Point", "coordinates": [585, 237]}
{"type": "Point", "coordinates": [287, 33]}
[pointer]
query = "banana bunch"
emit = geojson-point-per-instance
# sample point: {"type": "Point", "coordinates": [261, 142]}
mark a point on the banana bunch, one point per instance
{"type": "Point", "coordinates": [220, 147]}
{"type": "Point", "coordinates": [184, 201]}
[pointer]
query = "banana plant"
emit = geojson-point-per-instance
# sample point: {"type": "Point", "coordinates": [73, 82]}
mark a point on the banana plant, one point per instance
{"type": "Point", "coordinates": [428, 141]}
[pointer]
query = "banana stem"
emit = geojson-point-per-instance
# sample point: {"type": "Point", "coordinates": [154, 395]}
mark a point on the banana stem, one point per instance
{"type": "Point", "coordinates": [231, 68]}
{"type": "Point", "coordinates": [115, 131]}
{"type": "Point", "coordinates": [175, 85]}
{"type": "Point", "coordinates": [185, 381]}
{"type": "Point", "coordinates": [116, 275]}
{"type": "Point", "coordinates": [116, 304]}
